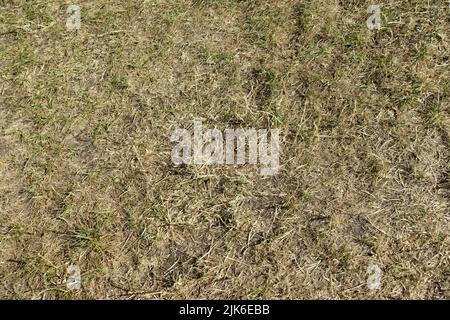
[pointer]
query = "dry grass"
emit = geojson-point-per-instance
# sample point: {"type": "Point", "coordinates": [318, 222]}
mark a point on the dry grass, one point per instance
{"type": "Point", "coordinates": [86, 176]}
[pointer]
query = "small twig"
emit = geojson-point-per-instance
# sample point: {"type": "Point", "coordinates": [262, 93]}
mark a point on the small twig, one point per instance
{"type": "Point", "coordinates": [111, 33]}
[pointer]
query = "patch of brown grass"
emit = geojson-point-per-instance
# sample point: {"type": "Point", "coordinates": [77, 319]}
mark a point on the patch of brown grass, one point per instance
{"type": "Point", "coordinates": [86, 176]}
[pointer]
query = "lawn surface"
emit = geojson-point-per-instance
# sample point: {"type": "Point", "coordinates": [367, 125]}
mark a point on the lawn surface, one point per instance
{"type": "Point", "coordinates": [85, 151]}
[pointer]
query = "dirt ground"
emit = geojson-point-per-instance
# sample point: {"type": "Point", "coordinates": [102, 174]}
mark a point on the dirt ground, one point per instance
{"type": "Point", "coordinates": [85, 152]}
